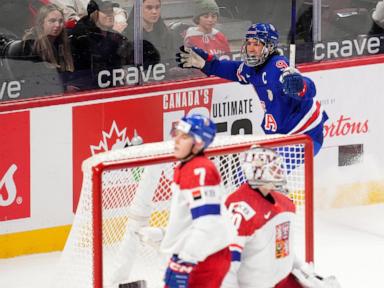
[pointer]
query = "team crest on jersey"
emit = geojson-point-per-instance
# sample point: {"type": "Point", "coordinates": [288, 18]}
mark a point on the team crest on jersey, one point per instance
{"type": "Point", "coordinates": [282, 240]}
{"type": "Point", "coordinates": [281, 64]}
{"type": "Point", "coordinates": [196, 194]}
{"type": "Point", "coordinates": [270, 95]}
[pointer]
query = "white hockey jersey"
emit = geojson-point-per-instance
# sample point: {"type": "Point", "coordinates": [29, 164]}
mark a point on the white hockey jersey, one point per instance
{"type": "Point", "coordinates": [197, 225]}
{"type": "Point", "coordinates": [263, 253]}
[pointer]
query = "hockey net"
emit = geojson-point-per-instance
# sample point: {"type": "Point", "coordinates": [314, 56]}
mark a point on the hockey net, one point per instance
{"type": "Point", "coordinates": [126, 189]}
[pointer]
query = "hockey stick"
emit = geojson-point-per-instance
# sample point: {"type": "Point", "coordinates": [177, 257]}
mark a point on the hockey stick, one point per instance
{"type": "Point", "coordinates": [292, 45]}
{"type": "Point", "coordinates": [136, 284]}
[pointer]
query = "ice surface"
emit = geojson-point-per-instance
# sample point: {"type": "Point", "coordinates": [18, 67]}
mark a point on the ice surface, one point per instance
{"type": "Point", "coordinates": [349, 243]}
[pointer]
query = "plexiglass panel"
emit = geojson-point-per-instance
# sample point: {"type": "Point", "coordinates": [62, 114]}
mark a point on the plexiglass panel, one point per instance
{"type": "Point", "coordinates": [85, 45]}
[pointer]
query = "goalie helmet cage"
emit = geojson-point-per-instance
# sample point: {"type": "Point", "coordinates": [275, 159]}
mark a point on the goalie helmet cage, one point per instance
{"type": "Point", "coordinates": [126, 189]}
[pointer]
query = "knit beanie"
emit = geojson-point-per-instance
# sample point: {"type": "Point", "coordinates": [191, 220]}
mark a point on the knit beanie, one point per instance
{"type": "Point", "coordinates": [204, 7]}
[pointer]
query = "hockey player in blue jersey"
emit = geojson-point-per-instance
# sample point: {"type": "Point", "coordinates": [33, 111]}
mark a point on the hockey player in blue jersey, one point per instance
{"type": "Point", "coordinates": [287, 97]}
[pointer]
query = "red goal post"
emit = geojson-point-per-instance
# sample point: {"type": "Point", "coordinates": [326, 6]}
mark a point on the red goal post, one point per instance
{"type": "Point", "coordinates": [100, 231]}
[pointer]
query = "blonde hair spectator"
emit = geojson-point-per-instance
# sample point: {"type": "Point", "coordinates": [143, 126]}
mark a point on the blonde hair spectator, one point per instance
{"type": "Point", "coordinates": [49, 39]}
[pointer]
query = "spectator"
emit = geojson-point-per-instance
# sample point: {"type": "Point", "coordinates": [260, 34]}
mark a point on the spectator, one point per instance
{"type": "Point", "coordinates": [73, 10]}
{"type": "Point", "coordinates": [340, 20]}
{"type": "Point", "coordinates": [97, 47]}
{"type": "Point", "coordinates": [377, 28]}
{"type": "Point", "coordinates": [158, 44]}
{"type": "Point", "coordinates": [43, 57]}
{"type": "Point", "coordinates": [378, 19]}
{"type": "Point", "coordinates": [204, 35]}
{"type": "Point", "coordinates": [48, 41]}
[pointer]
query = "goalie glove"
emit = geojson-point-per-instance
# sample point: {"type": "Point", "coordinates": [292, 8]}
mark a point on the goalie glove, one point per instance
{"type": "Point", "coordinates": [293, 83]}
{"type": "Point", "coordinates": [309, 279]}
{"type": "Point", "coordinates": [177, 273]}
{"type": "Point", "coordinates": [192, 57]}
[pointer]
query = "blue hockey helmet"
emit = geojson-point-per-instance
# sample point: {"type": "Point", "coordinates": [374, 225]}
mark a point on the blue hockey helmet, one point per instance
{"type": "Point", "coordinates": [200, 127]}
{"type": "Point", "coordinates": [266, 34]}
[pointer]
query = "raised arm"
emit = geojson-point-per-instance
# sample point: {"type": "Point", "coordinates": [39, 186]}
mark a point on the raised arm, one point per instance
{"type": "Point", "coordinates": [198, 58]}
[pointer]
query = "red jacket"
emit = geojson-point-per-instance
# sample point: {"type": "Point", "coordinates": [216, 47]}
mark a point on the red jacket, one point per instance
{"type": "Point", "coordinates": [214, 43]}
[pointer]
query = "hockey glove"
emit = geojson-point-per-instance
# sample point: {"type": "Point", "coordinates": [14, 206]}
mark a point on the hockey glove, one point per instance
{"type": "Point", "coordinates": [309, 279]}
{"type": "Point", "coordinates": [293, 83]}
{"type": "Point", "coordinates": [177, 274]}
{"type": "Point", "coordinates": [192, 57]}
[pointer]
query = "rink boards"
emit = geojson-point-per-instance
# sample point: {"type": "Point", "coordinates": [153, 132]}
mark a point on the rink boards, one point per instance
{"type": "Point", "coordinates": [44, 144]}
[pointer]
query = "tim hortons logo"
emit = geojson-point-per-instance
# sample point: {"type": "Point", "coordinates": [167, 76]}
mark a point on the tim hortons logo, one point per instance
{"type": "Point", "coordinates": [10, 188]}
{"type": "Point", "coordinates": [345, 126]}
{"type": "Point", "coordinates": [114, 139]}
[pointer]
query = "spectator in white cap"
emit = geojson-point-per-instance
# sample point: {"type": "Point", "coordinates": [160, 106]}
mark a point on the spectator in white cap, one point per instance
{"type": "Point", "coordinates": [378, 22]}
{"type": "Point", "coordinates": [378, 16]}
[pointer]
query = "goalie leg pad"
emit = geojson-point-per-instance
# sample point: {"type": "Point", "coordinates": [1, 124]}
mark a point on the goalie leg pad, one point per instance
{"type": "Point", "coordinates": [308, 279]}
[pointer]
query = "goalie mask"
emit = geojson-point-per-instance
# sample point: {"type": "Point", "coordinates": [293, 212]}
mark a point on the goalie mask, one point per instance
{"type": "Point", "coordinates": [267, 35]}
{"type": "Point", "coordinates": [264, 167]}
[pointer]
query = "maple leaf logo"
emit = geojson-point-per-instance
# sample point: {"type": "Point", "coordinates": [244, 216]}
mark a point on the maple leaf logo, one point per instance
{"type": "Point", "coordinates": [112, 140]}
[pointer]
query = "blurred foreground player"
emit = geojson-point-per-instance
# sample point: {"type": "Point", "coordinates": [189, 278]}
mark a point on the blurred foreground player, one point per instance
{"type": "Point", "coordinates": [198, 234]}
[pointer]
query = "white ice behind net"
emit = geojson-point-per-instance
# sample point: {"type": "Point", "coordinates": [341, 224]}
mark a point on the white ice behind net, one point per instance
{"type": "Point", "coordinates": [134, 197]}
